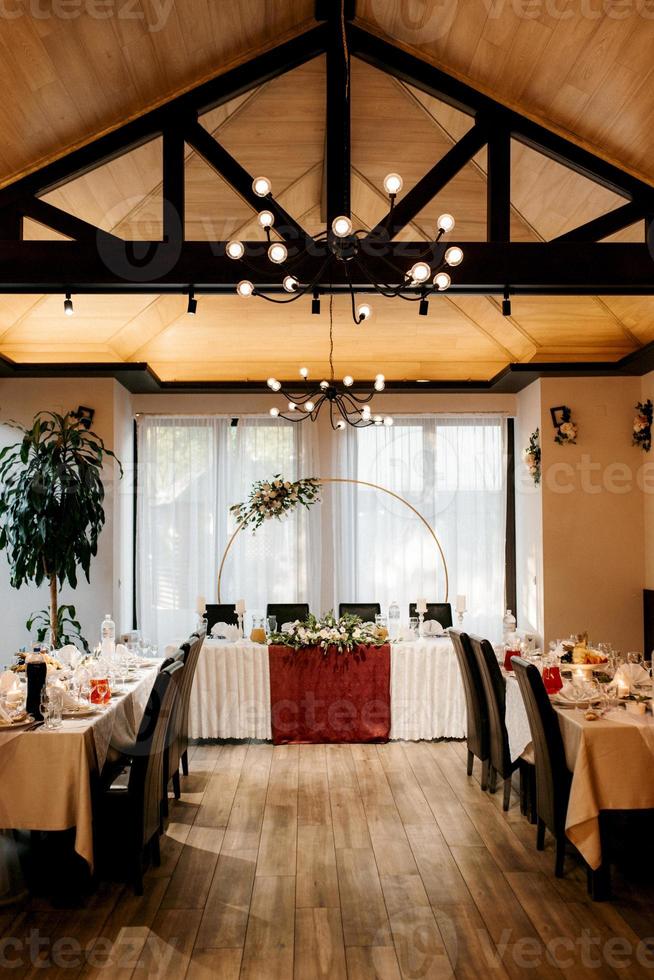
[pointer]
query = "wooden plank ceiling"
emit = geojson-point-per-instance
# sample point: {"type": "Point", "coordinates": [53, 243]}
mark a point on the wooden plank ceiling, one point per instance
{"type": "Point", "coordinates": [71, 80]}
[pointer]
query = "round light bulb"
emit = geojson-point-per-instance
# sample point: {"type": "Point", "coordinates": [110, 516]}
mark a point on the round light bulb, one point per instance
{"type": "Point", "coordinates": [366, 412]}
{"type": "Point", "coordinates": [292, 406]}
{"type": "Point", "coordinates": [274, 412]}
{"type": "Point", "coordinates": [378, 420]}
{"type": "Point", "coordinates": [348, 380]}
{"type": "Point", "coordinates": [340, 424]}
{"type": "Point", "coordinates": [393, 183]}
{"type": "Point", "coordinates": [304, 372]}
{"type": "Point", "coordinates": [261, 186]}
{"type": "Point", "coordinates": [380, 377]}
{"type": "Point", "coordinates": [324, 385]}
{"type": "Point", "coordinates": [290, 284]}
{"type": "Point", "coordinates": [454, 255]}
{"type": "Point", "coordinates": [245, 288]}
{"type": "Point", "coordinates": [271, 382]}
{"type": "Point", "coordinates": [445, 222]}
{"type": "Point", "coordinates": [277, 253]}
{"type": "Point", "coordinates": [235, 250]}
{"type": "Point", "coordinates": [388, 421]}
{"type": "Point", "coordinates": [342, 226]}
{"type": "Point", "coordinates": [364, 311]}
{"type": "Point", "coordinates": [266, 219]}
{"type": "Point", "coordinates": [420, 272]}
{"type": "Point", "coordinates": [442, 281]}
{"type": "Point", "coordinates": [309, 406]}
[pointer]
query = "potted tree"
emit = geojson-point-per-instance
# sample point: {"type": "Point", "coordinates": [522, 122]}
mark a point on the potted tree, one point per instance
{"type": "Point", "coordinates": [51, 511]}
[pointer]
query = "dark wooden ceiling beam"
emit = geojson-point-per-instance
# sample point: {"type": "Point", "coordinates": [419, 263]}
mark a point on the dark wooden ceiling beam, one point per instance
{"type": "Point", "coordinates": [605, 225]}
{"type": "Point", "coordinates": [338, 118]}
{"type": "Point", "coordinates": [139, 267]}
{"type": "Point", "coordinates": [65, 223]}
{"type": "Point", "coordinates": [498, 187]}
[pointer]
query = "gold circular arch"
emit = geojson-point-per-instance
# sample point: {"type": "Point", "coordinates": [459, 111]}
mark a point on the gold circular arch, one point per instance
{"type": "Point", "coordinates": [361, 483]}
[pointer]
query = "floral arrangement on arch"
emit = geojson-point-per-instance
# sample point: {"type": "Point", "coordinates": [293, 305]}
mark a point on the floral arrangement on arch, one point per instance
{"type": "Point", "coordinates": [642, 427]}
{"type": "Point", "coordinates": [342, 634]}
{"type": "Point", "coordinates": [532, 456]}
{"type": "Point", "coordinates": [275, 498]}
{"type": "Point", "coordinates": [566, 429]}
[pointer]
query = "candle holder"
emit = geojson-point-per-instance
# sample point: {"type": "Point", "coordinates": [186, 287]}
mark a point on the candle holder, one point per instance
{"type": "Point", "coordinates": [241, 632]}
{"type": "Point", "coordinates": [421, 623]}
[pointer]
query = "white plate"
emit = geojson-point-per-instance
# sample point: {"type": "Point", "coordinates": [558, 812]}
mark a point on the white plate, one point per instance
{"type": "Point", "coordinates": [14, 726]}
{"type": "Point", "coordinates": [80, 712]}
{"type": "Point", "coordinates": [586, 668]}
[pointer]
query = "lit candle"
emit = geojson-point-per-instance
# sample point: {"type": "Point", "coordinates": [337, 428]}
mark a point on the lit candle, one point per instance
{"type": "Point", "coordinates": [240, 607]}
{"type": "Point", "coordinates": [460, 603]}
{"type": "Point", "coordinates": [421, 606]}
{"type": "Point", "coordinates": [201, 605]}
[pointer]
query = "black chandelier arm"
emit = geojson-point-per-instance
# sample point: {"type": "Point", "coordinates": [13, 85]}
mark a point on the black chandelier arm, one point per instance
{"type": "Point", "coordinates": [305, 396]}
{"type": "Point", "coordinates": [385, 290]}
{"type": "Point", "coordinates": [359, 400]}
{"type": "Point", "coordinates": [301, 291]}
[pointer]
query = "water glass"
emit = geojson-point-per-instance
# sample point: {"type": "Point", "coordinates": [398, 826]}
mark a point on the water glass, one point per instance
{"type": "Point", "coordinates": [413, 625]}
{"type": "Point", "coordinates": [272, 624]}
{"type": "Point", "coordinates": [634, 657]}
{"type": "Point", "coordinates": [52, 707]}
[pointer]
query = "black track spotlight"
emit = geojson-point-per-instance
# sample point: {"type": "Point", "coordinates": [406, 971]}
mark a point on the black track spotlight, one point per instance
{"type": "Point", "coordinates": [423, 308]}
{"type": "Point", "coordinates": [506, 303]}
{"type": "Point", "coordinates": [315, 303]}
{"type": "Point", "coordinates": [192, 307]}
{"type": "Point", "coordinates": [68, 305]}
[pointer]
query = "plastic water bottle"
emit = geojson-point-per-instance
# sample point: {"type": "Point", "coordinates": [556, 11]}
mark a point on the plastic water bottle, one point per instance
{"type": "Point", "coordinates": [508, 626]}
{"type": "Point", "coordinates": [108, 636]}
{"type": "Point", "coordinates": [394, 620]}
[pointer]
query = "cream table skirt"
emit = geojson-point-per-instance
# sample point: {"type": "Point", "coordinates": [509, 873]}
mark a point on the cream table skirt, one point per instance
{"type": "Point", "coordinates": [231, 691]}
{"type": "Point", "coordinates": [45, 776]}
{"type": "Point", "coordinates": [612, 763]}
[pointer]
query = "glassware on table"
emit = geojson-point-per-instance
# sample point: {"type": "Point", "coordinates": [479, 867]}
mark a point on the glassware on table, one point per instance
{"type": "Point", "coordinates": [413, 625]}
{"type": "Point", "coordinates": [381, 622]}
{"type": "Point", "coordinates": [52, 706]}
{"type": "Point", "coordinates": [258, 631]}
{"type": "Point", "coordinates": [100, 690]}
{"type": "Point", "coordinates": [271, 622]}
{"type": "Point", "coordinates": [634, 657]}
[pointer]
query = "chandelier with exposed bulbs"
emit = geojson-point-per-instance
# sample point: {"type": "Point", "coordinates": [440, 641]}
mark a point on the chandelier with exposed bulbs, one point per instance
{"type": "Point", "coordinates": [345, 407]}
{"type": "Point", "coordinates": [347, 245]}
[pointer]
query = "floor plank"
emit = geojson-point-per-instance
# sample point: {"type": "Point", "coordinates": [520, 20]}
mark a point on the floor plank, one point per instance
{"type": "Point", "coordinates": [268, 951]}
{"type": "Point", "coordinates": [319, 949]}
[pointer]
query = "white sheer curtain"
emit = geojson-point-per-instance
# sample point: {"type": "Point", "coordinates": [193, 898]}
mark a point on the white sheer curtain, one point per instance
{"type": "Point", "coordinates": [191, 470]}
{"type": "Point", "coordinates": [452, 470]}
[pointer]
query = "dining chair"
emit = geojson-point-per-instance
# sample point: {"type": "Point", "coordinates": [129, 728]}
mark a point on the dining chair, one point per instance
{"type": "Point", "coordinates": [477, 738]}
{"type": "Point", "coordinates": [501, 764]}
{"type": "Point", "coordinates": [440, 611]}
{"type": "Point", "coordinates": [220, 613]}
{"type": "Point", "coordinates": [553, 777]}
{"type": "Point", "coordinates": [128, 811]}
{"type": "Point", "coordinates": [172, 753]}
{"type": "Point", "coordinates": [287, 612]}
{"type": "Point", "coordinates": [364, 610]}
{"type": "Point", "coordinates": [191, 664]}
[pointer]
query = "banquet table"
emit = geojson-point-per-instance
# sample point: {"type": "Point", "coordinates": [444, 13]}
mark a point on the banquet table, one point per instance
{"type": "Point", "coordinates": [611, 760]}
{"type": "Point", "coordinates": [231, 692]}
{"type": "Point", "coordinates": [46, 774]}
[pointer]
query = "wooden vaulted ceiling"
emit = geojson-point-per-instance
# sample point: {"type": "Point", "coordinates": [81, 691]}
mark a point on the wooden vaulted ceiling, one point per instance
{"type": "Point", "coordinates": [69, 81]}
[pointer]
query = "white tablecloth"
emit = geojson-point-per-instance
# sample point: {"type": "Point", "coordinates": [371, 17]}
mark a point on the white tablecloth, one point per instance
{"type": "Point", "coordinates": [231, 691]}
{"type": "Point", "coordinates": [45, 776]}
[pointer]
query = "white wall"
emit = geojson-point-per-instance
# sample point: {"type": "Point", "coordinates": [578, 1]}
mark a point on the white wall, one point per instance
{"type": "Point", "coordinates": [529, 518]}
{"type": "Point", "coordinates": [20, 400]}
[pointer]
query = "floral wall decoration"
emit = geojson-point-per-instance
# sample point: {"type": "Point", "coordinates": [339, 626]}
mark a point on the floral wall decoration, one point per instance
{"type": "Point", "coordinates": [275, 498]}
{"type": "Point", "coordinates": [642, 426]}
{"type": "Point", "coordinates": [566, 429]}
{"type": "Point", "coordinates": [532, 456]}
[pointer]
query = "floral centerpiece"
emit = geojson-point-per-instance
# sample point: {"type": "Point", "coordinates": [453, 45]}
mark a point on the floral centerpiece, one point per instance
{"type": "Point", "coordinates": [642, 426]}
{"type": "Point", "coordinates": [532, 456]}
{"type": "Point", "coordinates": [343, 634]}
{"type": "Point", "coordinates": [274, 498]}
{"type": "Point", "coordinates": [566, 429]}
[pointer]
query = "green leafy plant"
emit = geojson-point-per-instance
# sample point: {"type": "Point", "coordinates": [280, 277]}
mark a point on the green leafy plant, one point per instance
{"type": "Point", "coordinates": [275, 498]}
{"type": "Point", "coordinates": [67, 629]}
{"type": "Point", "coordinates": [341, 634]}
{"type": "Point", "coordinates": [52, 511]}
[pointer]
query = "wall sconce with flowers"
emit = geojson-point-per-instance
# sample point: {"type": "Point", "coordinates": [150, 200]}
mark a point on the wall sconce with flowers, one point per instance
{"type": "Point", "coordinates": [532, 456]}
{"type": "Point", "coordinates": [566, 429]}
{"type": "Point", "coordinates": [642, 427]}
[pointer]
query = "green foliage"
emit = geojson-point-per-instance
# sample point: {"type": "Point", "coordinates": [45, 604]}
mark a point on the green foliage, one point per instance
{"type": "Point", "coordinates": [68, 629]}
{"type": "Point", "coordinates": [51, 502]}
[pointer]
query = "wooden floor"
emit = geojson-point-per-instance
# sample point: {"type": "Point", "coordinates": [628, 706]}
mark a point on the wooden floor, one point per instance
{"type": "Point", "coordinates": [344, 861]}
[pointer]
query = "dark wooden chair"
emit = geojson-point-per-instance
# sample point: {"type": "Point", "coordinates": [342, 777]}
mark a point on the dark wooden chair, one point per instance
{"type": "Point", "coordinates": [364, 610]}
{"type": "Point", "coordinates": [440, 611]}
{"type": "Point", "coordinates": [128, 811]}
{"type": "Point", "coordinates": [220, 613]}
{"type": "Point", "coordinates": [195, 646]}
{"type": "Point", "coordinates": [477, 737]}
{"type": "Point", "coordinates": [501, 764]}
{"type": "Point", "coordinates": [287, 612]}
{"type": "Point", "coordinates": [552, 775]}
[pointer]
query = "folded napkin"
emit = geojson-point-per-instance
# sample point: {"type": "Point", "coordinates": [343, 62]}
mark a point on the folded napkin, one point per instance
{"type": "Point", "coordinates": [631, 675]}
{"type": "Point", "coordinates": [81, 675]}
{"type": "Point", "coordinates": [286, 627]}
{"type": "Point", "coordinates": [431, 627]}
{"type": "Point", "coordinates": [122, 651]}
{"type": "Point", "coordinates": [5, 717]}
{"type": "Point", "coordinates": [405, 634]}
{"type": "Point", "coordinates": [8, 682]}
{"type": "Point", "coordinates": [227, 631]}
{"type": "Point", "coordinates": [68, 656]}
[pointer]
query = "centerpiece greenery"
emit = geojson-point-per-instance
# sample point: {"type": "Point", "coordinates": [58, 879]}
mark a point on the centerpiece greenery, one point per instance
{"type": "Point", "coordinates": [342, 634]}
{"type": "Point", "coordinates": [51, 512]}
{"type": "Point", "coordinates": [274, 498]}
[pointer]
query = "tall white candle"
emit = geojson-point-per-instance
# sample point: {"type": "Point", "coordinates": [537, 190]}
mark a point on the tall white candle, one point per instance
{"type": "Point", "coordinates": [240, 607]}
{"type": "Point", "coordinates": [421, 606]}
{"type": "Point", "coordinates": [201, 605]}
{"type": "Point", "coordinates": [460, 603]}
